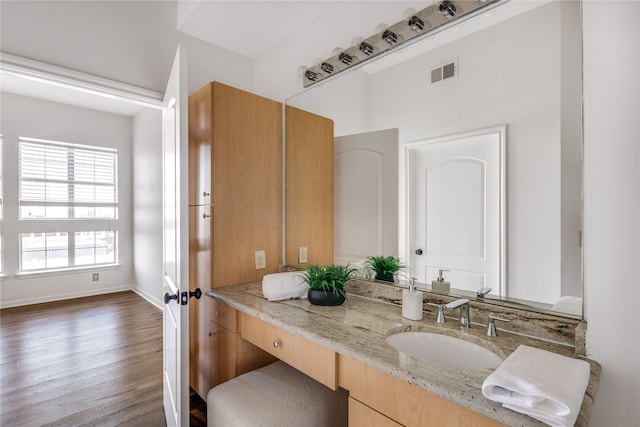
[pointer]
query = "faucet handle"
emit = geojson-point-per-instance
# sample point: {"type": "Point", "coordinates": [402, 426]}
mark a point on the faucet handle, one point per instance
{"type": "Point", "coordinates": [491, 326]}
{"type": "Point", "coordinates": [440, 316]}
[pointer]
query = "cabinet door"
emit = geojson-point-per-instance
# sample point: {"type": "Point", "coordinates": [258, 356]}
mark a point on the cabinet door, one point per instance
{"type": "Point", "coordinates": [224, 354]}
{"type": "Point", "coordinates": [200, 146]}
{"type": "Point", "coordinates": [199, 310]}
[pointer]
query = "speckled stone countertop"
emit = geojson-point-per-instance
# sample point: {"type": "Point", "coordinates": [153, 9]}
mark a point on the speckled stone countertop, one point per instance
{"type": "Point", "coordinates": [358, 328]}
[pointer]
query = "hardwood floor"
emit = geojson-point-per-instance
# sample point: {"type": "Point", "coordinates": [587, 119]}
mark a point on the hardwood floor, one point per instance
{"type": "Point", "coordinates": [89, 361]}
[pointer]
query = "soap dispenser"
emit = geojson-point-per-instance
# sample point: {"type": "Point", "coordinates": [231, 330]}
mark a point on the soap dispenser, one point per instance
{"type": "Point", "coordinates": [412, 302]}
{"type": "Point", "coordinates": [441, 285]}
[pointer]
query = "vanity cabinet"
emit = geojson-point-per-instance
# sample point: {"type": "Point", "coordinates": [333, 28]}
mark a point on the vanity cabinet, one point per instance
{"type": "Point", "coordinates": [309, 187]}
{"type": "Point", "coordinates": [235, 208]}
{"type": "Point", "coordinates": [316, 361]}
{"type": "Point", "coordinates": [399, 402]}
{"type": "Point", "coordinates": [230, 355]}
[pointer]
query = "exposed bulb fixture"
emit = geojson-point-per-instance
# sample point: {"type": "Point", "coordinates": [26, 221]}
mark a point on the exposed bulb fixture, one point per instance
{"type": "Point", "coordinates": [310, 75]}
{"type": "Point", "coordinates": [416, 24]}
{"type": "Point", "coordinates": [366, 48]}
{"type": "Point", "coordinates": [345, 59]}
{"type": "Point", "coordinates": [413, 26]}
{"type": "Point", "coordinates": [447, 9]}
{"type": "Point", "coordinates": [390, 37]}
{"type": "Point", "coordinates": [326, 67]}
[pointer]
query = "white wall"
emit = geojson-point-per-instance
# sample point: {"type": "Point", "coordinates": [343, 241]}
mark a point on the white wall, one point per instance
{"type": "Point", "coordinates": [147, 204]}
{"type": "Point", "coordinates": [35, 118]}
{"type": "Point", "coordinates": [612, 205]}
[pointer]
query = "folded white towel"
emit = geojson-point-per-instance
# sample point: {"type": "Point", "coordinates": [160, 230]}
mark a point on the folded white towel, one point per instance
{"type": "Point", "coordinates": [546, 386]}
{"type": "Point", "coordinates": [567, 304]}
{"type": "Point", "coordinates": [280, 286]}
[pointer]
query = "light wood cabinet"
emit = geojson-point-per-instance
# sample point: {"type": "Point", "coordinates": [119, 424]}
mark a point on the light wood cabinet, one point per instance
{"type": "Point", "coordinates": [230, 355]}
{"type": "Point", "coordinates": [361, 415]}
{"type": "Point", "coordinates": [316, 361]}
{"type": "Point", "coordinates": [309, 187]}
{"type": "Point", "coordinates": [401, 402]}
{"type": "Point", "coordinates": [235, 204]}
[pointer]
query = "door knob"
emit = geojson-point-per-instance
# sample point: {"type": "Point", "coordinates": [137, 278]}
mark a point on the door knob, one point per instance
{"type": "Point", "coordinates": [168, 297]}
{"type": "Point", "coordinates": [418, 251]}
{"type": "Point", "coordinates": [197, 293]}
{"type": "Point", "coordinates": [205, 194]}
{"type": "Point", "coordinates": [205, 216]}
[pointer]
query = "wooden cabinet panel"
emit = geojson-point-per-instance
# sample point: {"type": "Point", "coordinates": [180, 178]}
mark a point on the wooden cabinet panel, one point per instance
{"type": "Point", "coordinates": [224, 354]}
{"type": "Point", "coordinates": [309, 187]}
{"type": "Point", "coordinates": [360, 415]}
{"type": "Point", "coordinates": [313, 359]}
{"type": "Point", "coordinates": [403, 402]}
{"type": "Point", "coordinates": [224, 315]}
{"type": "Point", "coordinates": [199, 310]}
{"type": "Point", "coordinates": [247, 176]}
{"type": "Point", "coordinates": [200, 147]}
{"type": "Point", "coordinates": [235, 199]}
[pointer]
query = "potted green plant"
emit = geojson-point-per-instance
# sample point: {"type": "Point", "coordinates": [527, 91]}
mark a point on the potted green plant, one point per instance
{"type": "Point", "coordinates": [384, 267]}
{"type": "Point", "coordinates": [326, 283]}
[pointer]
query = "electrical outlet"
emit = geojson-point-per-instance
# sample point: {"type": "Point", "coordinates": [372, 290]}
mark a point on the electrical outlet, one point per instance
{"type": "Point", "coordinates": [261, 260]}
{"type": "Point", "coordinates": [302, 254]}
{"type": "Point", "coordinates": [95, 277]}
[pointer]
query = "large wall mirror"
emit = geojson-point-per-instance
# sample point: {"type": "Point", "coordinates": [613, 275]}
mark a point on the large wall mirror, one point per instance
{"type": "Point", "coordinates": [517, 76]}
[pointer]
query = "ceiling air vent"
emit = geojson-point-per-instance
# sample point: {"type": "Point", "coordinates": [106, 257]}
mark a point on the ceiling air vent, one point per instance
{"type": "Point", "coordinates": [444, 72]}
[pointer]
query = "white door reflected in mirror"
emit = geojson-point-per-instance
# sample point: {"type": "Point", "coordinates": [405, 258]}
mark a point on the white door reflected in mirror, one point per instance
{"type": "Point", "coordinates": [456, 209]}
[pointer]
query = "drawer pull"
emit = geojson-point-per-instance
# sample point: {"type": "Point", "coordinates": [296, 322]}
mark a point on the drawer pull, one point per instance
{"type": "Point", "coordinates": [205, 194]}
{"type": "Point", "coordinates": [218, 314]}
{"type": "Point", "coordinates": [276, 344]}
{"type": "Point", "coordinates": [211, 333]}
{"type": "Point", "coordinates": [205, 216]}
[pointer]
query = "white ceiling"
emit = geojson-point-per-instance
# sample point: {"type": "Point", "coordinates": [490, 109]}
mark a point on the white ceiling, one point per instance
{"type": "Point", "coordinates": [231, 24]}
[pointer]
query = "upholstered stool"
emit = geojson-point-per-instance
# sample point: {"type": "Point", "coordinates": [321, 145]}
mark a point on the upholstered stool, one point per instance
{"type": "Point", "coordinates": [276, 395]}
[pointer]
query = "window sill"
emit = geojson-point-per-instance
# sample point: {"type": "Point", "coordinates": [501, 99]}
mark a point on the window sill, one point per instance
{"type": "Point", "coordinates": [73, 270]}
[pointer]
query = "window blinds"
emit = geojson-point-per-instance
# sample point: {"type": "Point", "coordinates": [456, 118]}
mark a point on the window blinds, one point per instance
{"type": "Point", "coordinates": [61, 180]}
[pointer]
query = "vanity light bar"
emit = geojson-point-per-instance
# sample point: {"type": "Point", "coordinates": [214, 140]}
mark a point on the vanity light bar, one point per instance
{"type": "Point", "coordinates": [429, 21]}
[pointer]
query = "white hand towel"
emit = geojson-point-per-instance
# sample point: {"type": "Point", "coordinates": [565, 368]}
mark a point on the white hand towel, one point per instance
{"type": "Point", "coordinates": [546, 386]}
{"type": "Point", "coordinates": [281, 286]}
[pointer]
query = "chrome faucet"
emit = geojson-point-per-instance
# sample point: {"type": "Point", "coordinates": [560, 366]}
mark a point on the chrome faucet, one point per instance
{"type": "Point", "coordinates": [463, 304]}
{"type": "Point", "coordinates": [483, 291]}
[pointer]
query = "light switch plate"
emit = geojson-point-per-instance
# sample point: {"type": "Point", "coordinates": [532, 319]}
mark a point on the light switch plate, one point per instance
{"type": "Point", "coordinates": [302, 255]}
{"type": "Point", "coordinates": [261, 260]}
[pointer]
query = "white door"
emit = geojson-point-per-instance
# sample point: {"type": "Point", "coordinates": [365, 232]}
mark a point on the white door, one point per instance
{"type": "Point", "coordinates": [365, 195]}
{"type": "Point", "coordinates": [456, 209]}
{"type": "Point", "coordinates": [175, 284]}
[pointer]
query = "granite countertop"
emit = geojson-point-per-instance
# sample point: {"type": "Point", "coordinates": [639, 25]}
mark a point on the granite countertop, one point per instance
{"type": "Point", "coordinates": [358, 328]}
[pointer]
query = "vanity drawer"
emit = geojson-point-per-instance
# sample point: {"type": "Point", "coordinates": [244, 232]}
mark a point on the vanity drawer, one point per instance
{"type": "Point", "coordinates": [361, 415]}
{"type": "Point", "coordinates": [224, 315]}
{"type": "Point", "coordinates": [314, 360]}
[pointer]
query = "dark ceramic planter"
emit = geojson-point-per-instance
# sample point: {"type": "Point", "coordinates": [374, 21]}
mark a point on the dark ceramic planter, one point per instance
{"type": "Point", "coordinates": [388, 278]}
{"type": "Point", "coordinates": [325, 298]}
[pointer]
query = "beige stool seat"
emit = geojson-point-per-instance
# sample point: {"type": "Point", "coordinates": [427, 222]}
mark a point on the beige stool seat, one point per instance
{"type": "Point", "coordinates": [276, 395]}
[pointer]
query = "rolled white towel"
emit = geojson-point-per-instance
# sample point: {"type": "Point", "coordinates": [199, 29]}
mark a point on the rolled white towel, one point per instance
{"type": "Point", "coordinates": [281, 286]}
{"type": "Point", "coordinates": [546, 386]}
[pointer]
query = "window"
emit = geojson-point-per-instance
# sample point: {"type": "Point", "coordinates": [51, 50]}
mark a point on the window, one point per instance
{"type": "Point", "coordinates": [67, 181]}
{"type": "Point", "coordinates": [68, 204]}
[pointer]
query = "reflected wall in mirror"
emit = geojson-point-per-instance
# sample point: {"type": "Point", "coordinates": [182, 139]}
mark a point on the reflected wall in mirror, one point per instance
{"type": "Point", "coordinates": [518, 66]}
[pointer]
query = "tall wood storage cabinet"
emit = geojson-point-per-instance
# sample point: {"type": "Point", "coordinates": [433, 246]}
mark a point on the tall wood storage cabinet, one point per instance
{"type": "Point", "coordinates": [235, 204]}
{"type": "Point", "coordinates": [309, 187]}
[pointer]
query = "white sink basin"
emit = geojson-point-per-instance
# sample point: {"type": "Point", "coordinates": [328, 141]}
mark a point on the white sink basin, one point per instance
{"type": "Point", "coordinates": [444, 350]}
